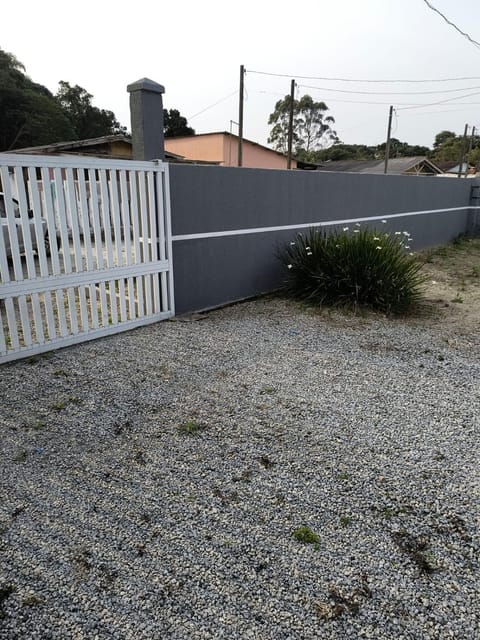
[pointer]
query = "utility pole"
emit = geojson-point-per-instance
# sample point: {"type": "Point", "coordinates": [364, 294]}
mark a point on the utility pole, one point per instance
{"type": "Point", "coordinates": [463, 148]}
{"type": "Point", "coordinates": [240, 117]}
{"type": "Point", "coordinates": [470, 145]}
{"type": "Point", "coordinates": [290, 125]}
{"type": "Point", "coordinates": [387, 146]}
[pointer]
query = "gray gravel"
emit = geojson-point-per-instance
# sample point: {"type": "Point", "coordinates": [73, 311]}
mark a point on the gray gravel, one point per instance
{"type": "Point", "coordinates": [152, 482]}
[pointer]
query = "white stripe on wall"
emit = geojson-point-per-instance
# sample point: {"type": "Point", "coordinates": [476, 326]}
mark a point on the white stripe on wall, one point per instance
{"type": "Point", "coordinates": [308, 225]}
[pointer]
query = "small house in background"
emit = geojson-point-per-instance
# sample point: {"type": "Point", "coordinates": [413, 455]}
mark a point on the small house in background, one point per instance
{"type": "Point", "coordinates": [222, 148]}
{"type": "Point", "coordinates": [414, 166]}
{"type": "Point", "coordinates": [451, 169]}
{"type": "Point", "coordinates": [118, 147]}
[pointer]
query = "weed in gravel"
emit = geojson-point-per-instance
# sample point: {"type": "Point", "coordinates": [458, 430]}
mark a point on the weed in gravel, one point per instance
{"type": "Point", "coordinates": [5, 592]}
{"type": "Point", "coordinates": [267, 390]}
{"type": "Point", "coordinates": [60, 372]}
{"type": "Point", "coordinates": [20, 457]}
{"type": "Point", "coordinates": [343, 476]}
{"type": "Point", "coordinates": [266, 462]}
{"type": "Point", "coordinates": [140, 457]}
{"type": "Point", "coordinates": [32, 600]}
{"type": "Point", "coordinates": [345, 521]}
{"type": "Point", "coordinates": [35, 424]}
{"type": "Point", "coordinates": [339, 603]}
{"type": "Point", "coordinates": [306, 535]}
{"type": "Point", "coordinates": [458, 299]}
{"type": "Point", "coordinates": [191, 427]}
{"type": "Point", "coordinates": [59, 405]}
{"type": "Point", "coordinates": [417, 549]}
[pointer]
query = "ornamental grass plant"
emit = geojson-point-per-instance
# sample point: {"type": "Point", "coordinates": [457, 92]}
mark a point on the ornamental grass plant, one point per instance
{"type": "Point", "coordinates": [353, 268]}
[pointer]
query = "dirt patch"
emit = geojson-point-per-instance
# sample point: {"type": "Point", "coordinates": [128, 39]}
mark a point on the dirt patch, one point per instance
{"type": "Point", "coordinates": [452, 290]}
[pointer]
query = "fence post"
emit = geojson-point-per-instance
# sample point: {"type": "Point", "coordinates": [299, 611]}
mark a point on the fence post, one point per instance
{"type": "Point", "coordinates": [146, 114]}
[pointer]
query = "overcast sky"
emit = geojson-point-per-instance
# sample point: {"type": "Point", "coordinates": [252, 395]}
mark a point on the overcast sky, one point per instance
{"type": "Point", "coordinates": [195, 48]}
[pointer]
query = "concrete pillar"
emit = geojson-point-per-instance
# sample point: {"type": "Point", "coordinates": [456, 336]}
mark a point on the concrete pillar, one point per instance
{"type": "Point", "coordinates": [146, 114]}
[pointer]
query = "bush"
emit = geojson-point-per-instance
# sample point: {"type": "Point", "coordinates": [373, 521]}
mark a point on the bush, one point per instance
{"type": "Point", "coordinates": [363, 268]}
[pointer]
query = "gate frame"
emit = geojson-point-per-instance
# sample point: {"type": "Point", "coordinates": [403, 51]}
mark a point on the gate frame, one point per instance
{"type": "Point", "coordinates": [52, 283]}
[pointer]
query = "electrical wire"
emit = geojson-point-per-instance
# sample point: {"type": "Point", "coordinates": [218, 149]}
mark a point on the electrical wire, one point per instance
{"type": "Point", "coordinates": [465, 35]}
{"type": "Point", "coordinates": [299, 77]}
{"type": "Point", "coordinates": [213, 105]}
{"type": "Point", "coordinates": [431, 104]}
{"type": "Point", "coordinates": [390, 93]}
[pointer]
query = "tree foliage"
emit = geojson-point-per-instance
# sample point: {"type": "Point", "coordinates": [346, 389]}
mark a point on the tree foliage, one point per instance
{"type": "Point", "coordinates": [175, 125]}
{"type": "Point", "coordinates": [87, 120]}
{"type": "Point", "coordinates": [31, 115]}
{"type": "Point", "coordinates": [312, 129]}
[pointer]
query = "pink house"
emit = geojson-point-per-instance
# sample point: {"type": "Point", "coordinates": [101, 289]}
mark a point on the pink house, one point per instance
{"type": "Point", "coordinates": [222, 148]}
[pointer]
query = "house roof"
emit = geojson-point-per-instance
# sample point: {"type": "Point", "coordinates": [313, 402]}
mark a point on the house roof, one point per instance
{"type": "Point", "coordinates": [72, 146]}
{"type": "Point", "coordinates": [396, 166]}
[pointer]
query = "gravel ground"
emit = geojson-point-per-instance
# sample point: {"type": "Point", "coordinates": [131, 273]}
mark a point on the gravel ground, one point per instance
{"type": "Point", "coordinates": [152, 482]}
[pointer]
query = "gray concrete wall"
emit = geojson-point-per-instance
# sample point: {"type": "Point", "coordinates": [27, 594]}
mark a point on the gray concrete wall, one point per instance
{"type": "Point", "coordinates": [205, 199]}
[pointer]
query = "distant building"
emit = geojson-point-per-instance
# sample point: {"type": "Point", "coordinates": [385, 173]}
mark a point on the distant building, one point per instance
{"type": "Point", "coordinates": [117, 146]}
{"type": "Point", "coordinates": [415, 166]}
{"type": "Point", "coordinates": [222, 148]}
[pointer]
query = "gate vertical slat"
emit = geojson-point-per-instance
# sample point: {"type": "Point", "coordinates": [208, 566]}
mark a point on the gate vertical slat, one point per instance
{"type": "Point", "coordinates": [87, 243]}
{"type": "Point", "coordinates": [42, 254]}
{"type": "Point", "coordinates": [154, 237]}
{"type": "Point", "coordinates": [61, 217]}
{"type": "Point", "coordinates": [125, 211]}
{"type": "Point", "coordinates": [111, 310]}
{"type": "Point", "coordinates": [136, 238]}
{"type": "Point", "coordinates": [77, 249]}
{"type": "Point", "coordinates": [161, 236]}
{"type": "Point", "coordinates": [145, 241]}
{"type": "Point", "coordinates": [11, 225]}
{"type": "Point", "coordinates": [115, 215]}
{"type": "Point", "coordinates": [115, 212]}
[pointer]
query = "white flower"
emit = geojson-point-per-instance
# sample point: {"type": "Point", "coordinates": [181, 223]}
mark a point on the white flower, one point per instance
{"type": "Point", "coordinates": [292, 244]}
{"type": "Point", "coordinates": [407, 246]}
{"type": "Point", "coordinates": [434, 282]}
{"type": "Point", "coordinates": [345, 228]}
{"type": "Point", "coordinates": [398, 233]}
{"type": "Point", "coordinates": [375, 238]}
{"type": "Point", "coordinates": [384, 222]}
{"type": "Point", "coordinates": [411, 254]}
{"type": "Point", "coordinates": [357, 224]}
{"type": "Point", "coordinates": [356, 231]}
{"type": "Point", "coordinates": [289, 266]}
{"type": "Point", "coordinates": [309, 253]}
{"type": "Point", "coordinates": [338, 246]}
{"type": "Point", "coordinates": [307, 248]}
{"type": "Point", "coordinates": [378, 247]}
{"type": "Point", "coordinates": [405, 233]}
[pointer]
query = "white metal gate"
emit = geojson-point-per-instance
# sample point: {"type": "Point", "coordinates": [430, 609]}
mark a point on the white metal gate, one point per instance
{"type": "Point", "coordinates": [85, 250]}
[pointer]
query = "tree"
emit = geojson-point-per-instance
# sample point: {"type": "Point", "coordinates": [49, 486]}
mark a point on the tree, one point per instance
{"type": "Point", "coordinates": [29, 114]}
{"type": "Point", "coordinates": [442, 137]}
{"type": "Point", "coordinates": [175, 125]}
{"type": "Point", "coordinates": [312, 130]}
{"type": "Point", "coordinates": [400, 149]}
{"type": "Point", "coordinates": [87, 121]}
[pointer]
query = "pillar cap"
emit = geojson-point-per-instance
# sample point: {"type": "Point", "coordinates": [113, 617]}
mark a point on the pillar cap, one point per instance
{"type": "Point", "coordinates": [145, 84]}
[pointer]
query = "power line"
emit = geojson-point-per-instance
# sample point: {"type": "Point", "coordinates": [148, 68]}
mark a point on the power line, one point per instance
{"type": "Point", "coordinates": [431, 104]}
{"type": "Point", "coordinates": [299, 77]}
{"type": "Point", "coordinates": [213, 105]}
{"type": "Point", "coordinates": [389, 93]}
{"type": "Point", "coordinates": [465, 35]}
